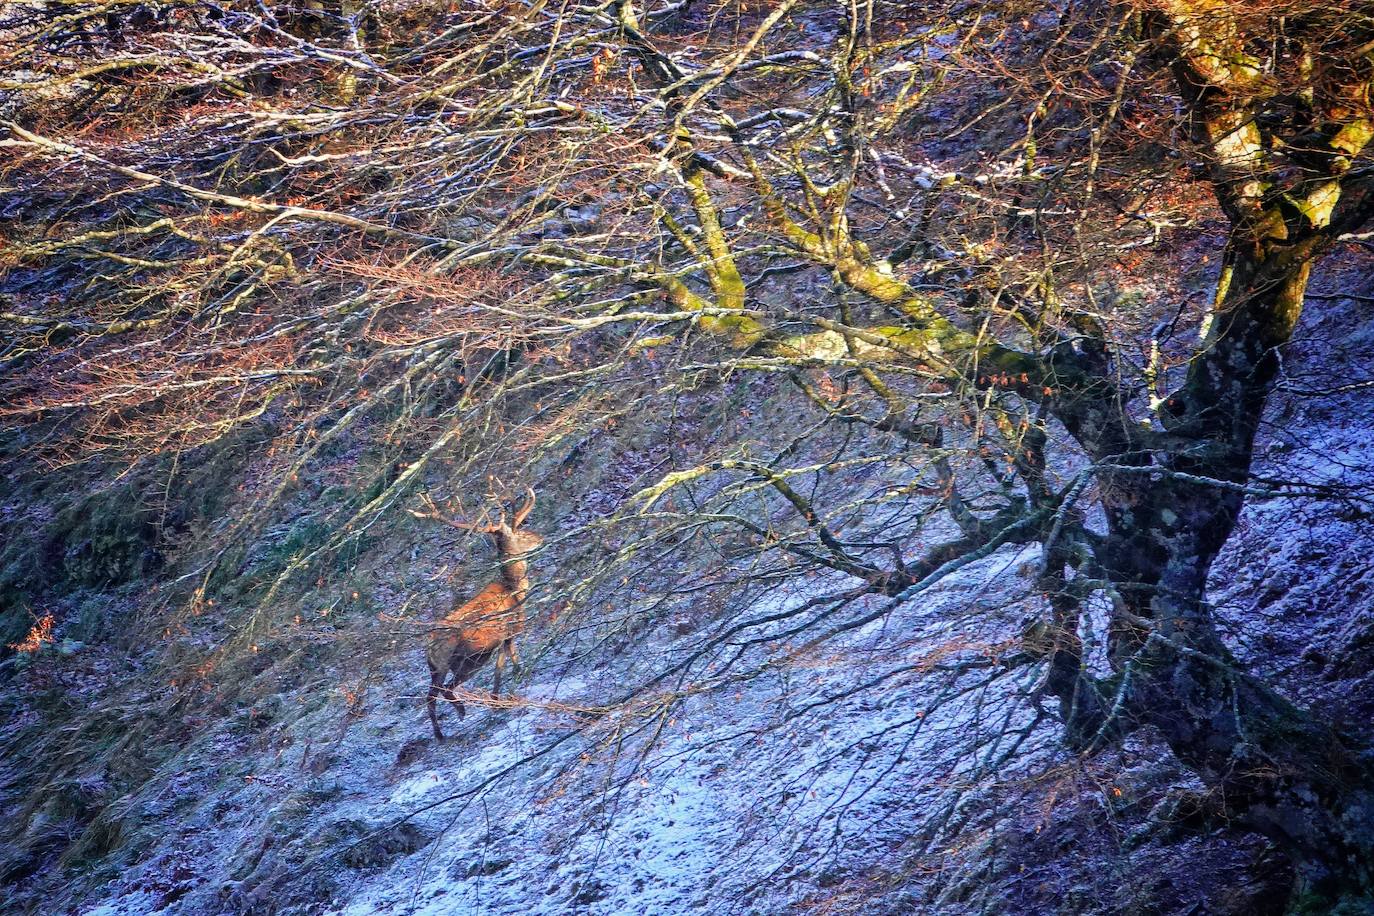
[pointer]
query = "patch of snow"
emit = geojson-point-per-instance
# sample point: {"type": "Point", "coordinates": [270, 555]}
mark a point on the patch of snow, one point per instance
{"type": "Point", "coordinates": [140, 903]}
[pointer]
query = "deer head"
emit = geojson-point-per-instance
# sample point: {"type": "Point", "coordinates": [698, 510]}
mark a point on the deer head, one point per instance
{"type": "Point", "coordinates": [511, 541]}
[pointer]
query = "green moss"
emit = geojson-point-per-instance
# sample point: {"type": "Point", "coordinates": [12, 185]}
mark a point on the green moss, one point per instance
{"type": "Point", "coordinates": [104, 538]}
{"type": "Point", "coordinates": [105, 834]}
{"type": "Point", "coordinates": [88, 624]}
{"type": "Point", "coordinates": [372, 849]}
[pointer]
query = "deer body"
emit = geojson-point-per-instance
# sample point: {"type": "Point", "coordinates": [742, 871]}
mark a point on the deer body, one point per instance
{"type": "Point", "coordinates": [487, 624]}
{"type": "Point", "coordinates": [475, 629]}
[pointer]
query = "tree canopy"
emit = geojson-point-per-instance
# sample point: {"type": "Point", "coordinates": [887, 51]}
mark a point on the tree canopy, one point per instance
{"type": "Point", "coordinates": [883, 289]}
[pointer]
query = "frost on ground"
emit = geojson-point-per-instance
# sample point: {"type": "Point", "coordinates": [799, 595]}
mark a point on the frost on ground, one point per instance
{"type": "Point", "coordinates": [755, 797]}
{"type": "Point", "coordinates": [739, 806]}
{"type": "Point", "coordinates": [1296, 581]}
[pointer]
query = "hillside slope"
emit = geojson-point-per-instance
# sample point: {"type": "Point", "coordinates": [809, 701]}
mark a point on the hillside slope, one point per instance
{"type": "Point", "coordinates": [948, 425]}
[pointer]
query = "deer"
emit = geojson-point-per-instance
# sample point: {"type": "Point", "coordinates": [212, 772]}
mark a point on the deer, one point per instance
{"type": "Point", "coordinates": [487, 624]}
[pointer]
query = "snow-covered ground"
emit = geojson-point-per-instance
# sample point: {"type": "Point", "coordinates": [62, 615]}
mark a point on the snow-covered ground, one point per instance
{"type": "Point", "coordinates": [748, 801]}
{"type": "Point", "coordinates": [715, 818]}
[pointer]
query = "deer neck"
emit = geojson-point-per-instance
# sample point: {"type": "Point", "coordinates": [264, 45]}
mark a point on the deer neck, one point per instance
{"type": "Point", "coordinates": [515, 573]}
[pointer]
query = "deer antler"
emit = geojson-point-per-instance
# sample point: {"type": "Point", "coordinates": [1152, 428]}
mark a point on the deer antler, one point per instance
{"type": "Point", "coordinates": [524, 510]}
{"type": "Point", "coordinates": [434, 514]}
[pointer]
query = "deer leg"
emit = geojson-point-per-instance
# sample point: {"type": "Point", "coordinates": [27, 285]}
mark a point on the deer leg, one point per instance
{"type": "Point", "coordinates": [500, 663]}
{"type": "Point", "coordinates": [453, 698]}
{"type": "Point", "coordinates": [463, 667]}
{"type": "Point", "coordinates": [505, 655]}
{"type": "Point", "coordinates": [436, 690]}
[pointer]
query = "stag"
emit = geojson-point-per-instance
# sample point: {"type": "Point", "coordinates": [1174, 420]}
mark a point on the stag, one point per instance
{"type": "Point", "coordinates": [487, 624]}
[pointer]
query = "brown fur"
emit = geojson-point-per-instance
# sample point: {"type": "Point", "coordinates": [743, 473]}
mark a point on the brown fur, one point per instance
{"type": "Point", "coordinates": [487, 624]}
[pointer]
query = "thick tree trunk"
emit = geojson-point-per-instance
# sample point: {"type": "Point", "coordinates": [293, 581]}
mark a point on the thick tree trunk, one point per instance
{"type": "Point", "coordinates": [1274, 768]}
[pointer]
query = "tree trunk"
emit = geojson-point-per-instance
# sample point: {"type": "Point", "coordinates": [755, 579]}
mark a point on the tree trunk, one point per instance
{"type": "Point", "coordinates": [1275, 768]}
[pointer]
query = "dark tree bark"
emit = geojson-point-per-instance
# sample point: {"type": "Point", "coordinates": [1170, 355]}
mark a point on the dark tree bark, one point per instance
{"type": "Point", "coordinates": [1276, 768]}
{"type": "Point", "coordinates": [1172, 497]}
